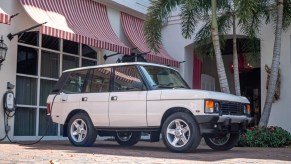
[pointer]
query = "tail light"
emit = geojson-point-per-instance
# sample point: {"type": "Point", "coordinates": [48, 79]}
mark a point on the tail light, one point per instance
{"type": "Point", "coordinates": [48, 109]}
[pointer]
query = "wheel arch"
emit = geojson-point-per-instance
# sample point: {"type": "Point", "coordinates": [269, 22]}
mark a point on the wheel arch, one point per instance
{"type": "Point", "coordinates": [70, 115]}
{"type": "Point", "coordinates": [175, 110]}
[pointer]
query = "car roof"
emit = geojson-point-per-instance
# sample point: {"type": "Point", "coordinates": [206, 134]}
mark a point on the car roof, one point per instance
{"type": "Point", "coordinates": [116, 65]}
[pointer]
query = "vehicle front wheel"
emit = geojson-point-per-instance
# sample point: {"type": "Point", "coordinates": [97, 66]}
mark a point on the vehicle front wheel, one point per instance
{"type": "Point", "coordinates": [224, 142]}
{"type": "Point", "coordinates": [181, 133]}
{"type": "Point", "coordinates": [127, 138]}
{"type": "Point", "coordinates": [81, 130]}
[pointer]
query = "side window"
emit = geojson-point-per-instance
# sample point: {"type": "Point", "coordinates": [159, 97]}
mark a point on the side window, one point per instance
{"type": "Point", "coordinates": [75, 82]}
{"type": "Point", "coordinates": [127, 78]}
{"type": "Point", "coordinates": [99, 80]}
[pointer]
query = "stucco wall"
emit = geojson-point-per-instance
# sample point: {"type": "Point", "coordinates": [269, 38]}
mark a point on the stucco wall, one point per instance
{"type": "Point", "coordinates": [114, 17]}
{"type": "Point", "coordinates": [179, 47]}
{"type": "Point", "coordinates": [8, 70]}
{"type": "Point", "coordinates": [281, 111]}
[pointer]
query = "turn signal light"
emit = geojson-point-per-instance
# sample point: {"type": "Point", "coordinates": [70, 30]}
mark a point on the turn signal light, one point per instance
{"type": "Point", "coordinates": [249, 108]}
{"type": "Point", "coordinates": [209, 106]}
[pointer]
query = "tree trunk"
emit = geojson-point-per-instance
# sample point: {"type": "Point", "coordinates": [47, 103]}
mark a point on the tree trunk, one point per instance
{"type": "Point", "coordinates": [275, 66]}
{"type": "Point", "coordinates": [235, 60]}
{"type": "Point", "coordinates": [215, 39]}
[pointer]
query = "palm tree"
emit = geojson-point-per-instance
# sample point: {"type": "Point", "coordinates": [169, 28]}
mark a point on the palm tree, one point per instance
{"type": "Point", "coordinates": [226, 20]}
{"type": "Point", "coordinates": [191, 12]}
{"type": "Point", "coordinates": [216, 45]}
{"type": "Point", "coordinates": [276, 60]}
{"type": "Point", "coordinates": [279, 13]}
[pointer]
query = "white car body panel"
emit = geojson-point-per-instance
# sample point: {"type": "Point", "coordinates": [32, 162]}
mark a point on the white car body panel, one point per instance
{"type": "Point", "coordinates": [96, 106]}
{"type": "Point", "coordinates": [156, 109]}
{"type": "Point", "coordinates": [61, 108]}
{"type": "Point", "coordinates": [129, 110]}
{"type": "Point", "coordinates": [183, 94]}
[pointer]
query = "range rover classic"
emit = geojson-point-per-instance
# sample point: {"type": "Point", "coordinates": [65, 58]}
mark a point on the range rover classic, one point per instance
{"type": "Point", "coordinates": [125, 100]}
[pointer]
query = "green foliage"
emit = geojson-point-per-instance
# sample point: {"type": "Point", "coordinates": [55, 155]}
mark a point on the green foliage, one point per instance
{"type": "Point", "coordinates": [286, 14]}
{"type": "Point", "coordinates": [203, 36]}
{"type": "Point", "coordinates": [265, 137]}
{"type": "Point", "coordinates": [158, 12]}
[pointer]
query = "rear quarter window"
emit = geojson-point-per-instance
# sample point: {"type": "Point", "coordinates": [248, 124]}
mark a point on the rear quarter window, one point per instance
{"type": "Point", "coordinates": [75, 82]}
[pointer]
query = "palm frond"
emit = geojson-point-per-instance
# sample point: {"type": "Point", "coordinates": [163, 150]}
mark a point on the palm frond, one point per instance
{"type": "Point", "coordinates": [249, 15]}
{"type": "Point", "coordinates": [203, 36]}
{"type": "Point", "coordinates": [158, 11]}
{"type": "Point", "coordinates": [286, 14]}
{"type": "Point", "coordinates": [190, 13]}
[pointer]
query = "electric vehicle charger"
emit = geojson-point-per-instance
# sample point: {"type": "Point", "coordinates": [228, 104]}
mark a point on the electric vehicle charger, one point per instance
{"type": "Point", "coordinates": [7, 114]}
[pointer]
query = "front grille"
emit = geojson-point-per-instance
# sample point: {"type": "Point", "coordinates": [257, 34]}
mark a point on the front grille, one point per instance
{"type": "Point", "coordinates": [231, 108]}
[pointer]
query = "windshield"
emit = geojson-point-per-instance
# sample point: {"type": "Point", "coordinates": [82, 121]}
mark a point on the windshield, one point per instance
{"type": "Point", "coordinates": [163, 78]}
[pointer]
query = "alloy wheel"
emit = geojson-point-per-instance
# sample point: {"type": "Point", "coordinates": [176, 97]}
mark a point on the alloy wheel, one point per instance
{"type": "Point", "coordinates": [78, 130]}
{"type": "Point", "coordinates": [178, 133]}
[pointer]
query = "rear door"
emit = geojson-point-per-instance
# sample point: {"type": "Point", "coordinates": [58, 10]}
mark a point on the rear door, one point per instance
{"type": "Point", "coordinates": [70, 94]}
{"type": "Point", "coordinates": [127, 101]}
{"type": "Point", "coordinates": [96, 95]}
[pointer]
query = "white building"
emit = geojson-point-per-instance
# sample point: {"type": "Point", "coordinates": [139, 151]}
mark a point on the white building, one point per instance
{"type": "Point", "coordinates": [79, 33]}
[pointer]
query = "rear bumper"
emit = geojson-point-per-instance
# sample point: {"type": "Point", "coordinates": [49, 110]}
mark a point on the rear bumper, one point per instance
{"type": "Point", "coordinates": [214, 124]}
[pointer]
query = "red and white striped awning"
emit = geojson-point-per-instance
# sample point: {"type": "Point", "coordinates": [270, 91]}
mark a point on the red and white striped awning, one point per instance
{"type": "Point", "coordinates": [4, 18]}
{"type": "Point", "coordinates": [133, 28]}
{"type": "Point", "coordinates": [83, 21]}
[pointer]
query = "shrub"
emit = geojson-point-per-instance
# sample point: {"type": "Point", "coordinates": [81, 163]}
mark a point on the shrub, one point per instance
{"type": "Point", "coordinates": [265, 137]}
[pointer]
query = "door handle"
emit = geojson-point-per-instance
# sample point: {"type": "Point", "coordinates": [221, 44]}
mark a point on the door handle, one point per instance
{"type": "Point", "coordinates": [84, 98]}
{"type": "Point", "coordinates": [114, 98]}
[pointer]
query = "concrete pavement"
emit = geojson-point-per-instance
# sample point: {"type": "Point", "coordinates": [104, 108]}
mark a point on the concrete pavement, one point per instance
{"type": "Point", "coordinates": [142, 153]}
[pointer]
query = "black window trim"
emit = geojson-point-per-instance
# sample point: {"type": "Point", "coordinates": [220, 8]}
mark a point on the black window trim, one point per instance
{"type": "Point", "coordinates": [152, 88]}
{"type": "Point", "coordinates": [111, 80]}
{"type": "Point", "coordinates": [68, 74]}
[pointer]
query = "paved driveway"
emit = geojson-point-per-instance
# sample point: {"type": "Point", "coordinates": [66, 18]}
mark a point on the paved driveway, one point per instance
{"type": "Point", "coordinates": [143, 152]}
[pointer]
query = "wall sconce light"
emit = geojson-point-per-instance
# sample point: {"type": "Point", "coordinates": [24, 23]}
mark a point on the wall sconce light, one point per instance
{"type": "Point", "coordinates": [3, 51]}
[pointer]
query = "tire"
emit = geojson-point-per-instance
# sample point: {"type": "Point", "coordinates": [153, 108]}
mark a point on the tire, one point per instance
{"type": "Point", "coordinates": [181, 133]}
{"type": "Point", "coordinates": [222, 143]}
{"type": "Point", "coordinates": [127, 138]}
{"type": "Point", "coordinates": [81, 131]}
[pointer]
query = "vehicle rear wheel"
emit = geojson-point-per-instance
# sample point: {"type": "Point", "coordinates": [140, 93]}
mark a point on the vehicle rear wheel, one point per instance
{"type": "Point", "coordinates": [181, 133]}
{"type": "Point", "coordinates": [81, 130]}
{"type": "Point", "coordinates": [225, 142]}
{"type": "Point", "coordinates": [127, 138]}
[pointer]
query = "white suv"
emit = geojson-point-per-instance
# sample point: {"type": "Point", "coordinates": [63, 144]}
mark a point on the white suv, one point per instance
{"type": "Point", "coordinates": [124, 100]}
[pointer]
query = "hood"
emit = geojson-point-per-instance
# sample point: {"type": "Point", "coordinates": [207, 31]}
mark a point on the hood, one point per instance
{"type": "Point", "coordinates": [185, 94]}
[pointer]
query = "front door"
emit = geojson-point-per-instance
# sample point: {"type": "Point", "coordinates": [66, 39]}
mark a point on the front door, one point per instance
{"type": "Point", "coordinates": [127, 101]}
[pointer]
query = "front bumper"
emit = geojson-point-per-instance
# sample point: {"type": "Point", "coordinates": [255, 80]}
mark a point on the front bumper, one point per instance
{"type": "Point", "coordinates": [215, 124]}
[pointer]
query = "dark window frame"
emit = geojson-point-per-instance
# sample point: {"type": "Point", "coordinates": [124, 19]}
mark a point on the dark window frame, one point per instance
{"type": "Point", "coordinates": [27, 50]}
{"type": "Point", "coordinates": [152, 88]}
{"type": "Point", "coordinates": [67, 78]}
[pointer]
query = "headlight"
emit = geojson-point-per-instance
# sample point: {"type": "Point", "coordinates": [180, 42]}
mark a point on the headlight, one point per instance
{"type": "Point", "coordinates": [216, 107]}
{"type": "Point", "coordinates": [211, 106]}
